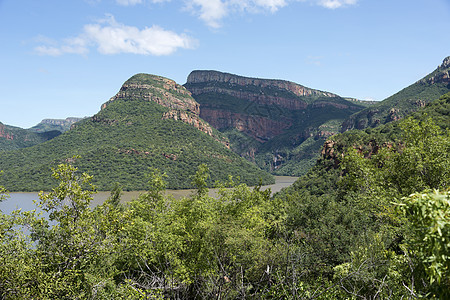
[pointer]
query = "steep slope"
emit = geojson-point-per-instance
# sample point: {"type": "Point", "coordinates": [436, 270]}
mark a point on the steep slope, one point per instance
{"type": "Point", "coordinates": [61, 125]}
{"type": "Point", "coordinates": [278, 124]}
{"type": "Point", "coordinates": [12, 138]}
{"type": "Point", "coordinates": [408, 100]}
{"type": "Point", "coordinates": [370, 140]}
{"type": "Point", "coordinates": [151, 122]}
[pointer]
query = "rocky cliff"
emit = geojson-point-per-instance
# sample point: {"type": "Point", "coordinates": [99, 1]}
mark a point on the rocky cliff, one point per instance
{"type": "Point", "coordinates": [277, 115]}
{"type": "Point", "coordinates": [440, 75]}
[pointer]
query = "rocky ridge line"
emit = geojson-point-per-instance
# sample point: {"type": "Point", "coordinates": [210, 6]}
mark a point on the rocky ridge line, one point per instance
{"type": "Point", "coordinates": [296, 89]}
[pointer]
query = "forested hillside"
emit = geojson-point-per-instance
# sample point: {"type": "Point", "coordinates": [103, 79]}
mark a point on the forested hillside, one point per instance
{"type": "Point", "coordinates": [151, 123]}
{"type": "Point", "coordinates": [12, 138]}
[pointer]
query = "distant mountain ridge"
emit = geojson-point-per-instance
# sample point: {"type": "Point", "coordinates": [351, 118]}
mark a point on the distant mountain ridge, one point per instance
{"type": "Point", "coordinates": [152, 122]}
{"type": "Point", "coordinates": [55, 124]}
{"type": "Point", "coordinates": [268, 120]}
{"type": "Point", "coordinates": [12, 137]}
{"type": "Point", "coordinates": [406, 101]}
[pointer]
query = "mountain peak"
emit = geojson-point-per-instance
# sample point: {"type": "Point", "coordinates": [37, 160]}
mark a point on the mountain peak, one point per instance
{"type": "Point", "coordinates": [445, 63]}
{"type": "Point", "coordinates": [164, 91]}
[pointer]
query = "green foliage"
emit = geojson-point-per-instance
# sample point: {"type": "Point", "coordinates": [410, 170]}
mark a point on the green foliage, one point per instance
{"type": "Point", "coordinates": [428, 214]}
{"type": "Point", "coordinates": [372, 226]}
{"type": "Point", "coordinates": [342, 223]}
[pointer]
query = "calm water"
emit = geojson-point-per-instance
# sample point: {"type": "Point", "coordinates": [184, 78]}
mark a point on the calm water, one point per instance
{"type": "Point", "coordinates": [25, 200]}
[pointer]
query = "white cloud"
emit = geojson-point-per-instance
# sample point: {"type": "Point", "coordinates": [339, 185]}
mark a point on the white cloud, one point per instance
{"type": "Point", "coordinates": [111, 37]}
{"type": "Point", "coordinates": [209, 11]}
{"type": "Point", "coordinates": [333, 4]}
{"type": "Point", "coordinates": [134, 2]}
{"type": "Point", "coordinates": [128, 2]}
{"type": "Point", "coordinates": [272, 5]}
{"type": "Point", "coordinates": [213, 11]}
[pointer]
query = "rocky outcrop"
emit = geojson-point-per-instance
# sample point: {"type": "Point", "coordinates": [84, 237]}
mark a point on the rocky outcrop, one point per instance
{"type": "Point", "coordinates": [441, 75]}
{"type": "Point", "coordinates": [189, 118]}
{"type": "Point", "coordinates": [61, 122]}
{"type": "Point", "coordinates": [334, 151]}
{"type": "Point", "coordinates": [61, 125]}
{"type": "Point", "coordinates": [4, 133]}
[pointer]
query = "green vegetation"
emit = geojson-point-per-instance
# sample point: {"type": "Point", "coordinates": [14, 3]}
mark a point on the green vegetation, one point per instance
{"type": "Point", "coordinates": [369, 221]}
{"type": "Point", "coordinates": [12, 138]}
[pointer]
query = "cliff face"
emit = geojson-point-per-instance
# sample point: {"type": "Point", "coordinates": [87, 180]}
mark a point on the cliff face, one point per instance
{"type": "Point", "coordinates": [260, 128]}
{"type": "Point", "coordinates": [277, 115]}
{"type": "Point", "coordinates": [268, 107]}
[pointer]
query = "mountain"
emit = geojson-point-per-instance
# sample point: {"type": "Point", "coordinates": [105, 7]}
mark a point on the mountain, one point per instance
{"type": "Point", "coordinates": [278, 124]}
{"type": "Point", "coordinates": [12, 138]}
{"type": "Point", "coordinates": [61, 125]}
{"type": "Point", "coordinates": [406, 101]}
{"type": "Point", "coordinates": [152, 122]}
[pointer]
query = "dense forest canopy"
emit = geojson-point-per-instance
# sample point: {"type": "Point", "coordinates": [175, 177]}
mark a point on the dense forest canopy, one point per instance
{"type": "Point", "coordinates": [369, 221]}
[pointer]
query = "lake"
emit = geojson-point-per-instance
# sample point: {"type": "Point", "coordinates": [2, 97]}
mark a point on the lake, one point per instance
{"type": "Point", "coordinates": [25, 200]}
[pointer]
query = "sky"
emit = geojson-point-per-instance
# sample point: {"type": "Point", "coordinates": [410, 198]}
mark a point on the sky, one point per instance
{"type": "Point", "coordinates": [63, 59]}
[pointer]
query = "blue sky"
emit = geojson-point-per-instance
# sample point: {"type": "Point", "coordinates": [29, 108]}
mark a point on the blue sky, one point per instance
{"type": "Point", "coordinates": [65, 58]}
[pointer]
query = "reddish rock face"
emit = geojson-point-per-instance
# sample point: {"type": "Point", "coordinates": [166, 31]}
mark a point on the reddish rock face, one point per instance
{"type": "Point", "coordinates": [289, 103]}
{"type": "Point", "coordinates": [5, 134]}
{"type": "Point", "coordinates": [260, 128]}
